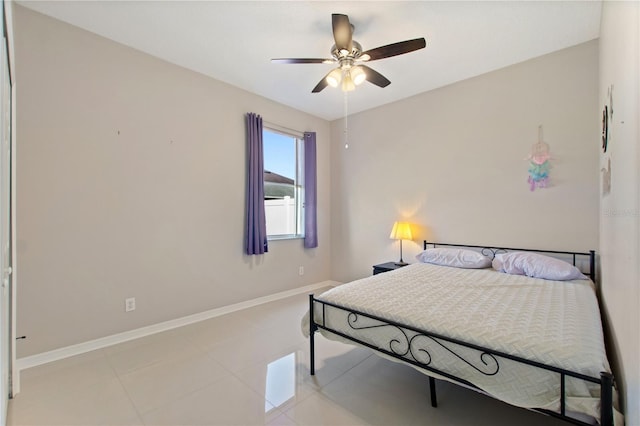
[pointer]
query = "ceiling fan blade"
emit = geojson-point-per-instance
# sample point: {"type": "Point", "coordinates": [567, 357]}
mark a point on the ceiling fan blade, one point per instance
{"type": "Point", "coordinates": [342, 31]}
{"type": "Point", "coordinates": [375, 77]}
{"type": "Point", "coordinates": [303, 61]}
{"type": "Point", "coordinates": [321, 84]}
{"type": "Point", "coordinates": [395, 49]}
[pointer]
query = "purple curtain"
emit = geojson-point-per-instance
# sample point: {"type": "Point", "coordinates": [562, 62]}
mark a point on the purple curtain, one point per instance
{"type": "Point", "coordinates": [310, 193]}
{"type": "Point", "coordinates": [256, 222]}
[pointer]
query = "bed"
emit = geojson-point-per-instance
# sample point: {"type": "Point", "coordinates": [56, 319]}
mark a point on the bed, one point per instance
{"type": "Point", "coordinates": [531, 342]}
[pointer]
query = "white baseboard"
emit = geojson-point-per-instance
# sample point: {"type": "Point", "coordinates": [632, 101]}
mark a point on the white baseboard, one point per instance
{"type": "Point", "coordinates": [80, 348]}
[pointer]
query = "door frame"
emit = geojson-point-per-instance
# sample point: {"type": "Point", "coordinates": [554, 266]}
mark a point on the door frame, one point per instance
{"type": "Point", "coordinates": [14, 382]}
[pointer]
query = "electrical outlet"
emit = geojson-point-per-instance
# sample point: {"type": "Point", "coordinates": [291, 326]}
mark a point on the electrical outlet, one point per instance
{"type": "Point", "coordinates": [130, 304]}
{"type": "Point", "coordinates": [301, 271]}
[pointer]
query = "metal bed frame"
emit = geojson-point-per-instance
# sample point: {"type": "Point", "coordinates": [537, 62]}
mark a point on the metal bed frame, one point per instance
{"type": "Point", "coordinates": [488, 359]}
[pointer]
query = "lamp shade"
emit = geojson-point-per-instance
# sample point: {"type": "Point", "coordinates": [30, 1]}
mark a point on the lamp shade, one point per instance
{"type": "Point", "coordinates": [347, 82]}
{"type": "Point", "coordinates": [401, 231]}
{"type": "Point", "coordinates": [334, 77]}
{"type": "Point", "coordinates": [358, 75]}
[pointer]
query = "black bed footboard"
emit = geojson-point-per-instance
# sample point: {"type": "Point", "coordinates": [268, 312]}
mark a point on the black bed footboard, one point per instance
{"type": "Point", "coordinates": [410, 346]}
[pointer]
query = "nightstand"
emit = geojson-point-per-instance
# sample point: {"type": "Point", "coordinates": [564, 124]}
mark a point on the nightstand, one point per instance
{"type": "Point", "coordinates": [385, 267]}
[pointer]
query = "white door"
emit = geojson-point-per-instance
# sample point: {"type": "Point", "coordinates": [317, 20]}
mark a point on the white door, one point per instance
{"type": "Point", "coordinates": [5, 229]}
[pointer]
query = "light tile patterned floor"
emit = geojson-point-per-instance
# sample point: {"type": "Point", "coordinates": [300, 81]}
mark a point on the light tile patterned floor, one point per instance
{"type": "Point", "coordinates": [246, 368]}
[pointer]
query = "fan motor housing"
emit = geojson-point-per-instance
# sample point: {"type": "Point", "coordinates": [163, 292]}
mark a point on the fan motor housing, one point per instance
{"type": "Point", "coordinates": [355, 53]}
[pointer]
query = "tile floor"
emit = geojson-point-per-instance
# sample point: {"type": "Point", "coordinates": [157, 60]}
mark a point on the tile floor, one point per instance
{"type": "Point", "coordinates": [245, 368]}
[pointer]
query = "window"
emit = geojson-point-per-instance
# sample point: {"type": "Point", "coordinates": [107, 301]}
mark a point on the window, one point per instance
{"type": "Point", "coordinates": [283, 184]}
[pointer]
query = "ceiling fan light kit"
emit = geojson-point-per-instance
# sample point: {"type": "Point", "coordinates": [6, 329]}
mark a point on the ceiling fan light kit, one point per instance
{"type": "Point", "coordinates": [358, 75]}
{"type": "Point", "coordinates": [348, 54]}
{"type": "Point", "coordinates": [347, 83]}
{"type": "Point", "coordinates": [334, 77]}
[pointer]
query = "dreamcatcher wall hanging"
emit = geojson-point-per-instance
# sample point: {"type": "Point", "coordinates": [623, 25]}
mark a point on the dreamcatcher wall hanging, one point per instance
{"type": "Point", "coordinates": [539, 164]}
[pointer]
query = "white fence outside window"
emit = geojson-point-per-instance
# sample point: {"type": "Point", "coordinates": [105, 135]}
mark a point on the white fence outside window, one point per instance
{"type": "Point", "coordinates": [281, 216]}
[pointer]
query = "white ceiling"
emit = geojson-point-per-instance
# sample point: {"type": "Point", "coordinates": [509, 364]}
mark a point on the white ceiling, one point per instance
{"type": "Point", "coordinates": [233, 41]}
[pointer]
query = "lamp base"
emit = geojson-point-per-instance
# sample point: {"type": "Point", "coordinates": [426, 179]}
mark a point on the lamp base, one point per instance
{"type": "Point", "coordinates": [401, 263]}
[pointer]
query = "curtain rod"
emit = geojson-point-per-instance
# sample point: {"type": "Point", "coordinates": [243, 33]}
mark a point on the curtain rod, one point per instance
{"type": "Point", "coordinates": [282, 128]}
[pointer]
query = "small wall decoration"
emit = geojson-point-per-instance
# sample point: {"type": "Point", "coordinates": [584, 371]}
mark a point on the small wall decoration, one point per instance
{"type": "Point", "coordinates": [605, 128]}
{"type": "Point", "coordinates": [606, 178]}
{"type": "Point", "coordinates": [539, 164]}
{"type": "Point", "coordinates": [607, 137]}
{"type": "Point", "coordinates": [607, 120]}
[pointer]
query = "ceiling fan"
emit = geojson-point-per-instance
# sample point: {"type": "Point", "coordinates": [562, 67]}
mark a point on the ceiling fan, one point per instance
{"type": "Point", "coordinates": [348, 54]}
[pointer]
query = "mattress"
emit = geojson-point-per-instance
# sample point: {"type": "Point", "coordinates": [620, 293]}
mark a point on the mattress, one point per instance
{"type": "Point", "coordinates": [556, 323]}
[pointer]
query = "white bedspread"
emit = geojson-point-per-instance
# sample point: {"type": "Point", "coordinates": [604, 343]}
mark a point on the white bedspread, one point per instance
{"type": "Point", "coordinates": [556, 323]}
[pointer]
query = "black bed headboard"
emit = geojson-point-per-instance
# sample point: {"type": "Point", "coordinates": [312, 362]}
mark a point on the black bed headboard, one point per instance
{"type": "Point", "coordinates": [491, 251]}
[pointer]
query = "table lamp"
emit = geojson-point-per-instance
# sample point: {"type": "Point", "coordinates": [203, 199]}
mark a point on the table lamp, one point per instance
{"type": "Point", "coordinates": [401, 231]}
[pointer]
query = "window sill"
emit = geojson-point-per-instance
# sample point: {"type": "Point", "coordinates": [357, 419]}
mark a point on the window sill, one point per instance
{"type": "Point", "coordinates": [284, 237]}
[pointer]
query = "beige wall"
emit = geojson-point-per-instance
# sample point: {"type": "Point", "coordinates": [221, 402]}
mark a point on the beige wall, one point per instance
{"type": "Point", "coordinates": [131, 183]}
{"type": "Point", "coordinates": [619, 209]}
{"type": "Point", "coordinates": [453, 161]}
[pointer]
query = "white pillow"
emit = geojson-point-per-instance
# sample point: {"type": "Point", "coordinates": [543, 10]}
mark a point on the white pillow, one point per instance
{"type": "Point", "coordinates": [459, 258]}
{"type": "Point", "coordinates": [537, 266]}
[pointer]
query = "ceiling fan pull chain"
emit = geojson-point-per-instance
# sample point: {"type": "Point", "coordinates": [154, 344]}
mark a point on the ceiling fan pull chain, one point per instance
{"type": "Point", "coordinates": [346, 125]}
